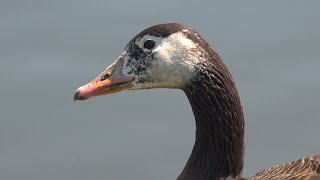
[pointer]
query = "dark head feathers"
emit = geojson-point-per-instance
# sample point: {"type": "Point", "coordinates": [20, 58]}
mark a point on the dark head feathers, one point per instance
{"type": "Point", "coordinates": [160, 30]}
{"type": "Point", "coordinates": [163, 30]}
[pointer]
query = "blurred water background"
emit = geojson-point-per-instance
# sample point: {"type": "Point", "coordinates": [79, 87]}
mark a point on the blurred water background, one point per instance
{"type": "Point", "coordinates": [48, 48]}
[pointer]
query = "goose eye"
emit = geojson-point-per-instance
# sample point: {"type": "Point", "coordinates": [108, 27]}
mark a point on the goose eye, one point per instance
{"type": "Point", "coordinates": [149, 44]}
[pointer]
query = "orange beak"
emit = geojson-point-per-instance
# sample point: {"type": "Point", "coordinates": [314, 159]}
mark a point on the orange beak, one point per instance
{"type": "Point", "coordinates": [110, 81]}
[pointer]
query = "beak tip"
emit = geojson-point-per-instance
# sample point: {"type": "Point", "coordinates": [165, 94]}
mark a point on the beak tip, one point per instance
{"type": "Point", "coordinates": [76, 96]}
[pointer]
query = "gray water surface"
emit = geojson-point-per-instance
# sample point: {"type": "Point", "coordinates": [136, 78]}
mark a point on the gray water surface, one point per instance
{"type": "Point", "coordinates": [48, 48]}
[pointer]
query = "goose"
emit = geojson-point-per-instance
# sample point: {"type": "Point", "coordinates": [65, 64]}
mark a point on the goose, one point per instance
{"type": "Point", "coordinates": [174, 55]}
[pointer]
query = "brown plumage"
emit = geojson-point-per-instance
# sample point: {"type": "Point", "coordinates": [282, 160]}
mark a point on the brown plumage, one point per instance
{"type": "Point", "coordinates": [176, 53]}
{"type": "Point", "coordinates": [307, 168]}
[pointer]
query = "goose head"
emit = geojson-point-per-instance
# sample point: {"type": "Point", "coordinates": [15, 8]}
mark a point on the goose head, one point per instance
{"type": "Point", "coordinates": [176, 56]}
{"type": "Point", "coordinates": [162, 56]}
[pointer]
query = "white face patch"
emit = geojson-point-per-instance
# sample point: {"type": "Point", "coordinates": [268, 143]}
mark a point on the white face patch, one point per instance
{"type": "Point", "coordinates": [175, 60]}
{"type": "Point", "coordinates": [170, 64]}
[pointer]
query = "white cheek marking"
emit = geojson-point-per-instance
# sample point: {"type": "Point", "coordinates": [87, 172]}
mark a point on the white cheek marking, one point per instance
{"type": "Point", "coordinates": [173, 65]}
{"type": "Point", "coordinates": [175, 61]}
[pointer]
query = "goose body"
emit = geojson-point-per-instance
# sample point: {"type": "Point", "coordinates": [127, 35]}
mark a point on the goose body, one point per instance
{"type": "Point", "coordinates": [176, 56]}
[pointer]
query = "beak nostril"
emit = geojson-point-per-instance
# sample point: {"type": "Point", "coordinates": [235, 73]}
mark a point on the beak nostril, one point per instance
{"type": "Point", "coordinates": [104, 77]}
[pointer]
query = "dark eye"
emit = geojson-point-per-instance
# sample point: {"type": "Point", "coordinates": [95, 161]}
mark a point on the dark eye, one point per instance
{"type": "Point", "coordinates": [149, 44]}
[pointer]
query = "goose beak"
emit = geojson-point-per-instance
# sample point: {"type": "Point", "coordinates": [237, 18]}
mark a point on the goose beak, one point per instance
{"type": "Point", "coordinates": [110, 81]}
